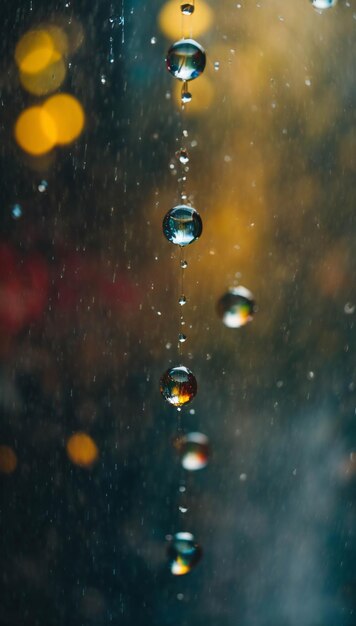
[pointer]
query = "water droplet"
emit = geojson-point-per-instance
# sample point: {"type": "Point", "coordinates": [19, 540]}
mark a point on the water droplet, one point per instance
{"type": "Point", "coordinates": [311, 375]}
{"type": "Point", "coordinates": [182, 488]}
{"type": "Point", "coordinates": [236, 307]}
{"type": "Point", "coordinates": [182, 156]}
{"type": "Point", "coordinates": [103, 79]}
{"type": "Point", "coordinates": [16, 211]}
{"type": "Point", "coordinates": [186, 59]}
{"type": "Point", "coordinates": [187, 8]}
{"type": "Point", "coordinates": [182, 300]}
{"type": "Point", "coordinates": [182, 338]}
{"type": "Point", "coordinates": [153, 40]}
{"type": "Point", "coordinates": [184, 264]}
{"type": "Point", "coordinates": [216, 66]}
{"type": "Point", "coordinates": [178, 385]}
{"type": "Point", "coordinates": [349, 308]}
{"type": "Point", "coordinates": [307, 82]}
{"type": "Point", "coordinates": [323, 4]}
{"type": "Point", "coordinates": [182, 225]}
{"type": "Point", "coordinates": [183, 553]}
{"type": "Point", "coordinates": [42, 186]}
{"type": "Point", "coordinates": [180, 596]}
{"type": "Point", "coordinates": [183, 509]}
{"type": "Point", "coordinates": [186, 97]}
{"type": "Point", "coordinates": [194, 451]}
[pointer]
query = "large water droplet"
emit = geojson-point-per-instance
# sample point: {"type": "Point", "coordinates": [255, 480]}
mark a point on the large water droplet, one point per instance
{"type": "Point", "coordinates": [186, 59]}
{"type": "Point", "coordinates": [193, 449]}
{"type": "Point", "coordinates": [323, 4]}
{"type": "Point", "coordinates": [236, 307]}
{"type": "Point", "coordinates": [183, 553]}
{"type": "Point", "coordinates": [178, 385]}
{"type": "Point", "coordinates": [182, 225]}
{"type": "Point", "coordinates": [187, 8]}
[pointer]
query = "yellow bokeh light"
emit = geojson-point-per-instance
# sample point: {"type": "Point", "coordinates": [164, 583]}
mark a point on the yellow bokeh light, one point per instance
{"type": "Point", "coordinates": [34, 51]}
{"type": "Point", "coordinates": [68, 116]}
{"type": "Point", "coordinates": [8, 460]}
{"type": "Point", "coordinates": [35, 131]}
{"type": "Point", "coordinates": [46, 81]}
{"type": "Point", "coordinates": [82, 450]}
{"type": "Point", "coordinates": [202, 95]}
{"type": "Point", "coordinates": [171, 21]}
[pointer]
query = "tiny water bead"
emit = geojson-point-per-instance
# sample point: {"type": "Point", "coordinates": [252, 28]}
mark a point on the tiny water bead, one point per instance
{"type": "Point", "coordinates": [182, 338]}
{"type": "Point", "coordinates": [184, 264]}
{"type": "Point", "coordinates": [236, 307]}
{"type": "Point", "coordinates": [186, 96]}
{"type": "Point", "coordinates": [178, 385]}
{"type": "Point", "coordinates": [182, 225]}
{"type": "Point", "coordinates": [183, 553]}
{"type": "Point", "coordinates": [42, 186]}
{"type": "Point", "coordinates": [182, 156]}
{"type": "Point", "coordinates": [187, 8]}
{"type": "Point", "coordinates": [194, 451]}
{"type": "Point", "coordinates": [323, 4]}
{"type": "Point", "coordinates": [186, 59]}
{"type": "Point", "coordinates": [182, 300]}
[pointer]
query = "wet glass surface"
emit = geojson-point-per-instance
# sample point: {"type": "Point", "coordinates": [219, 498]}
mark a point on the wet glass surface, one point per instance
{"type": "Point", "coordinates": [91, 485]}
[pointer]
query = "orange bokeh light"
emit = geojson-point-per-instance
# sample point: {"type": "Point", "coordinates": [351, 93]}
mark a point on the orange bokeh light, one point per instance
{"type": "Point", "coordinates": [82, 450]}
{"type": "Point", "coordinates": [35, 131]}
{"type": "Point", "coordinates": [35, 51]}
{"type": "Point", "coordinates": [68, 116]}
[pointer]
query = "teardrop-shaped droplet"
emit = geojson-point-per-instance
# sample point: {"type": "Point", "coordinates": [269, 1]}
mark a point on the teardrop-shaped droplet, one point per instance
{"type": "Point", "coordinates": [194, 451]}
{"type": "Point", "coordinates": [186, 59]}
{"type": "Point", "coordinates": [187, 8]}
{"type": "Point", "coordinates": [323, 4]}
{"type": "Point", "coordinates": [236, 307]}
{"type": "Point", "coordinates": [183, 156]}
{"type": "Point", "coordinates": [183, 553]}
{"type": "Point", "coordinates": [178, 385]}
{"type": "Point", "coordinates": [182, 225]}
{"type": "Point", "coordinates": [186, 97]}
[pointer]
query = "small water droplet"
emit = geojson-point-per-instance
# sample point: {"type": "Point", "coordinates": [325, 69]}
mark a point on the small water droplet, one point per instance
{"type": "Point", "coordinates": [349, 308]}
{"type": "Point", "coordinates": [182, 300]}
{"type": "Point", "coordinates": [103, 79]}
{"type": "Point", "coordinates": [186, 97]}
{"type": "Point", "coordinates": [183, 509]}
{"type": "Point", "coordinates": [311, 375]}
{"type": "Point", "coordinates": [182, 488]}
{"type": "Point", "coordinates": [307, 82]}
{"type": "Point", "coordinates": [185, 133]}
{"type": "Point", "coordinates": [184, 264]}
{"type": "Point", "coordinates": [178, 385]}
{"type": "Point", "coordinates": [187, 8]}
{"type": "Point", "coordinates": [183, 156]}
{"type": "Point", "coordinates": [153, 40]}
{"type": "Point", "coordinates": [42, 186]}
{"type": "Point", "coordinates": [16, 211]}
{"type": "Point", "coordinates": [216, 66]}
{"type": "Point", "coordinates": [182, 338]}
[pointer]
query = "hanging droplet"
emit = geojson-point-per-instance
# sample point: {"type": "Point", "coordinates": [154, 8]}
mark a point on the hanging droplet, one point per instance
{"type": "Point", "coordinates": [183, 553]}
{"type": "Point", "coordinates": [194, 451]}
{"type": "Point", "coordinates": [187, 8]}
{"type": "Point", "coordinates": [182, 300]}
{"type": "Point", "coordinates": [184, 264]}
{"type": "Point", "coordinates": [236, 307]}
{"type": "Point", "coordinates": [186, 59]}
{"type": "Point", "coordinates": [182, 156]}
{"type": "Point", "coordinates": [182, 225]}
{"type": "Point", "coordinates": [186, 96]}
{"type": "Point", "coordinates": [182, 338]}
{"type": "Point", "coordinates": [178, 385]}
{"type": "Point", "coordinates": [323, 4]}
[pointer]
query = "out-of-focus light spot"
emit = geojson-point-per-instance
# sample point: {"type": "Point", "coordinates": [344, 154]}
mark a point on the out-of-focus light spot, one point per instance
{"type": "Point", "coordinates": [35, 131]}
{"type": "Point", "coordinates": [59, 38]}
{"type": "Point", "coordinates": [35, 51]}
{"type": "Point", "coordinates": [16, 211]}
{"type": "Point", "coordinates": [82, 450]}
{"type": "Point", "coordinates": [8, 460]}
{"type": "Point", "coordinates": [67, 115]}
{"type": "Point", "coordinates": [170, 21]}
{"type": "Point", "coordinates": [202, 96]}
{"type": "Point", "coordinates": [46, 81]}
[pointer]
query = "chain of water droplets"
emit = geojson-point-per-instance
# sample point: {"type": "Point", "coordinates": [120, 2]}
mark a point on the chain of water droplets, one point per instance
{"type": "Point", "coordinates": [182, 225]}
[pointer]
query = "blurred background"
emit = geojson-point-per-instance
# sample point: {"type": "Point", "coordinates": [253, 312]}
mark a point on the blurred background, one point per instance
{"type": "Point", "coordinates": [89, 287]}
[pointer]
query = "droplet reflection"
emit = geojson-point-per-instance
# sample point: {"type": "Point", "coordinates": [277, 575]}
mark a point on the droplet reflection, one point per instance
{"type": "Point", "coordinates": [182, 225]}
{"type": "Point", "coordinates": [178, 385]}
{"type": "Point", "coordinates": [183, 553]}
{"type": "Point", "coordinates": [186, 59]}
{"type": "Point", "coordinates": [236, 307]}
